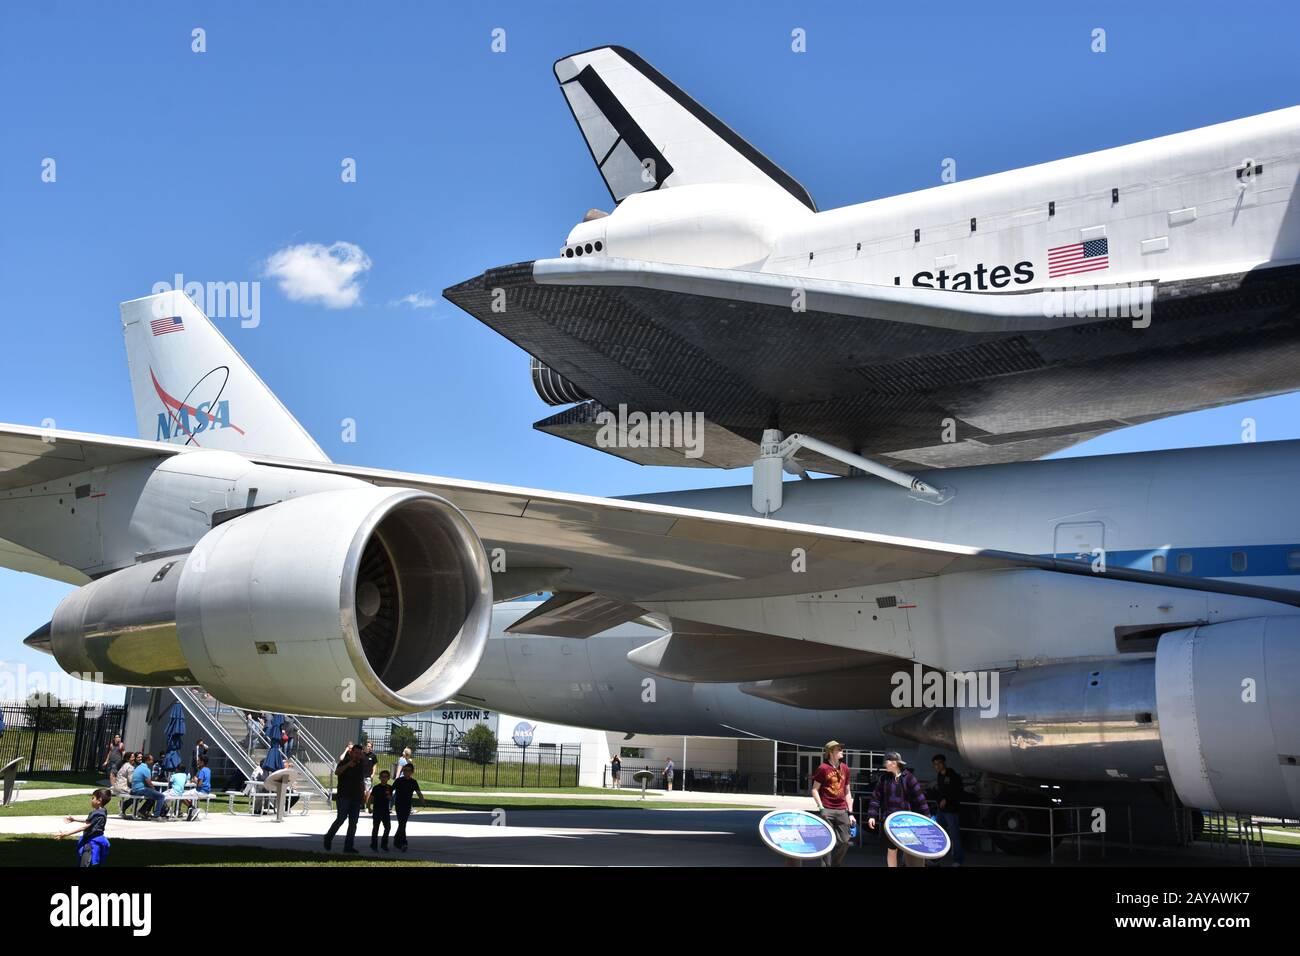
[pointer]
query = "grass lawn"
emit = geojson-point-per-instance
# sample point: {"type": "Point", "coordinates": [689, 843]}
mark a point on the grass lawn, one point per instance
{"type": "Point", "coordinates": [462, 774]}
{"type": "Point", "coordinates": [59, 779]}
{"type": "Point", "coordinates": [53, 749]}
{"type": "Point", "coordinates": [1271, 838]}
{"type": "Point", "coordinates": [29, 850]}
{"type": "Point", "coordinates": [79, 806]}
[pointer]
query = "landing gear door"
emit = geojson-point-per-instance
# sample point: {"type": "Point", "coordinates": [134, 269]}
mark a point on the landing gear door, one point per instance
{"type": "Point", "coordinates": [1080, 540]}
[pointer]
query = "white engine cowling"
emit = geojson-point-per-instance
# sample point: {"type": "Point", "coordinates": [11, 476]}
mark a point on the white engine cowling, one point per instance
{"type": "Point", "coordinates": [356, 602]}
{"type": "Point", "coordinates": [1230, 714]}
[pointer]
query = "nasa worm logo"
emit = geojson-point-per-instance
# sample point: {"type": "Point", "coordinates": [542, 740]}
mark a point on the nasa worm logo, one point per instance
{"type": "Point", "coordinates": [189, 417]}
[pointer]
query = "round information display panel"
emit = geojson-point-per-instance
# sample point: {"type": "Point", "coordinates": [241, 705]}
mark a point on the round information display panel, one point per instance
{"type": "Point", "coordinates": [797, 834]}
{"type": "Point", "coordinates": [917, 835]}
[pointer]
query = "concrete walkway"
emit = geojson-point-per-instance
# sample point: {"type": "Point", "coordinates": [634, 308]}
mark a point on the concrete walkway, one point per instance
{"type": "Point", "coordinates": [37, 793]}
{"type": "Point", "coordinates": [628, 795]}
{"type": "Point", "coordinates": [559, 836]}
{"type": "Point", "coordinates": [544, 837]}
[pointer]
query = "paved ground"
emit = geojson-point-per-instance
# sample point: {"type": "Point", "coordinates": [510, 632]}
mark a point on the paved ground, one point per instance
{"type": "Point", "coordinates": [572, 837]}
{"type": "Point", "coordinates": [27, 794]}
{"type": "Point", "coordinates": [627, 795]}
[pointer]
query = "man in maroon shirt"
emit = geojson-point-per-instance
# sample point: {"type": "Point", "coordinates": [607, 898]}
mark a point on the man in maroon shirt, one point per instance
{"type": "Point", "coordinates": [831, 793]}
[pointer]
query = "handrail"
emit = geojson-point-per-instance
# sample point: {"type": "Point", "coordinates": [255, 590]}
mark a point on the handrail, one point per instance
{"type": "Point", "coordinates": [318, 752]}
{"type": "Point", "coordinates": [234, 751]}
{"type": "Point", "coordinates": [240, 751]}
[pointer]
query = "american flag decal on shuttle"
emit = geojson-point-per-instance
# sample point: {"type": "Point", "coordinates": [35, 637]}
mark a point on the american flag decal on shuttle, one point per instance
{"type": "Point", "coordinates": [1078, 257]}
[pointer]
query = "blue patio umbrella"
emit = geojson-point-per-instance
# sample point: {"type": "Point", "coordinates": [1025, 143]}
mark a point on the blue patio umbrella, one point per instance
{"type": "Point", "coordinates": [175, 738]}
{"type": "Point", "coordinates": [274, 758]}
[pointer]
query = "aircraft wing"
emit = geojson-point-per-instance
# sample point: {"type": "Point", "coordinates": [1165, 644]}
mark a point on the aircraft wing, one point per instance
{"type": "Point", "coordinates": [876, 368]}
{"type": "Point", "coordinates": [29, 455]}
{"type": "Point", "coordinates": [607, 554]}
{"type": "Point", "coordinates": [615, 551]}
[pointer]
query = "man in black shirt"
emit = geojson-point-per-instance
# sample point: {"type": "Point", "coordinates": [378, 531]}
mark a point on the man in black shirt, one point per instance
{"type": "Point", "coordinates": [349, 794]}
{"type": "Point", "coordinates": [371, 760]}
{"type": "Point", "coordinates": [402, 790]}
{"type": "Point", "coordinates": [948, 796]}
{"type": "Point", "coordinates": [378, 800]}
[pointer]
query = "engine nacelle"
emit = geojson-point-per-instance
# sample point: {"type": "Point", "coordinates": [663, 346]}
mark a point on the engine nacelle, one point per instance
{"type": "Point", "coordinates": [1229, 705]}
{"type": "Point", "coordinates": [356, 602]}
{"type": "Point", "coordinates": [1216, 712]}
{"type": "Point", "coordinates": [1088, 721]}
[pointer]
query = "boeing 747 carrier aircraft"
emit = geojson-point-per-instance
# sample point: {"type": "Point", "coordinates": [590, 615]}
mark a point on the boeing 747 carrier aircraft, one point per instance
{"type": "Point", "coordinates": [939, 328]}
{"type": "Point", "coordinates": [1137, 615]}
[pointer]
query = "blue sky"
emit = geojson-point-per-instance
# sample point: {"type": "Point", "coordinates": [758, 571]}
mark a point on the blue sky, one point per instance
{"type": "Point", "coordinates": [207, 164]}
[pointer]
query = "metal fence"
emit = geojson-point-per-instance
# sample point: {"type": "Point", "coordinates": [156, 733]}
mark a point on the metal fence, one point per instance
{"type": "Point", "coordinates": [696, 780]}
{"type": "Point", "coordinates": [429, 738]}
{"type": "Point", "coordinates": [509, 768]}
{"type": "Point", "coordinates": [58, 738]}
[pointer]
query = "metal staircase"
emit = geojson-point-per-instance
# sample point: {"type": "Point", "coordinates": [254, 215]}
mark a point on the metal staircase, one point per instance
{"type": "Point", "coordinates": [226, 728]}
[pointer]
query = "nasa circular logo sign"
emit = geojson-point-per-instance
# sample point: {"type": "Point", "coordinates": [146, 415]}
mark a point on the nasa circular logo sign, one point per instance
{"type": "Point", "coordinates": [797, 834]}
{"type": "Point", "coordinates": [917, 835]}
{"type": "Point", "coordinates": [523, 735]}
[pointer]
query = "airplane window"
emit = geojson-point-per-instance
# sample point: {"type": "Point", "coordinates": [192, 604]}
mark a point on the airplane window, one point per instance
{"type": "Point", "coordinates": [1239, 560]}
{"type": "Point", "coordinates": [1293, 560]}
{"type": "Point", "coordinates": [1158, 563]}
{"type": "Point", "coordinates": [1184, 564]}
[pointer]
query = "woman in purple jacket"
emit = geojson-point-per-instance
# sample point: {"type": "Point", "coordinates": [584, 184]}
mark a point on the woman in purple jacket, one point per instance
{"type": "Point", "coordinates": [897, 789]}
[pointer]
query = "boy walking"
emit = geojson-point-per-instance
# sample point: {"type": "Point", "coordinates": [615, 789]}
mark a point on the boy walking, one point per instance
{"type": "Point", "coordinates": [402, 790]}
{"type": "Point", "coordinates": [378, 802]}
{"type": "Point", "coordinates": [92, 847]}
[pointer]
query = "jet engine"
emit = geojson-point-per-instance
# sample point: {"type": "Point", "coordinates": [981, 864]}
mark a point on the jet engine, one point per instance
{"type": "Point", "coordinates": [1215, 712]}
{"type": "Point", "coordinates": [357, 602]}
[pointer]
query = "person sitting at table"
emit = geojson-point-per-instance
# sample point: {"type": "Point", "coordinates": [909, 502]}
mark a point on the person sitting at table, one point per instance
{"type": "Point", "coordinates": [122, 782]}
{"type": "Point", "coordinates": [176, 789]}
{"type": "Point", "coordinates": [203, 777]}
{"type": "Point", "coordinates": [142, 786]}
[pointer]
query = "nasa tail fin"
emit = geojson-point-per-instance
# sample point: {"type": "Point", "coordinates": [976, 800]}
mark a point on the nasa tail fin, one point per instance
{"type": "Point", "coordinates": [644, 133]}
{"type": "Point", "coordinates": [192, 388]}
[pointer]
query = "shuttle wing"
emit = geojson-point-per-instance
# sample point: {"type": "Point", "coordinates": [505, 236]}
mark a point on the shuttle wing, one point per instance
{"type": "Point", "coordinates": [876, 368]}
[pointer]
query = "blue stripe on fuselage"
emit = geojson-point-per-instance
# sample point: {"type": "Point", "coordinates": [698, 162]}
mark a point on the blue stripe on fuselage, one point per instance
{"type": "Point", "coordinates": [1261, 560]}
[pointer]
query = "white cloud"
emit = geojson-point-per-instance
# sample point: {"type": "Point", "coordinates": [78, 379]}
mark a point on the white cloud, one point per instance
{"type": "Point", "coordinates": [417, 300]}
{"type": "Point", "coordinates": [313, 272]}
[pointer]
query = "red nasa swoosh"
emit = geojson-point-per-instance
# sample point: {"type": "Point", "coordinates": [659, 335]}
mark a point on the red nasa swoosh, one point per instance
{"type": "Point", "coordinates": [175, 405]}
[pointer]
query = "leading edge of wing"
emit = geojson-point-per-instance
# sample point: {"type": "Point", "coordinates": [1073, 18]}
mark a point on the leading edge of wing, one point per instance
{"type": "Point", "coordinates": [755, 552]}
{"type": "Point", "coordinates": [30, 454]}
{"type": "Point", "coordinates": [1041, 309]}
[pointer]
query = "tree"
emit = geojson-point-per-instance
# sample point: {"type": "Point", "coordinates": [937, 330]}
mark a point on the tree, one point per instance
{"type": "Point", "coordinates": [46, 712]}
{"type": "Point", "coordinates": [400, 737]}
{"type": "Point", "coordinates": [480, 743]}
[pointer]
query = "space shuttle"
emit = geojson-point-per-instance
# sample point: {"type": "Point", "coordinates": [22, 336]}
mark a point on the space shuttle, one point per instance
{"type": "Point", "coordinates": [981, 321]}
{"type": "Point", "coordinates": [1136, 617]}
